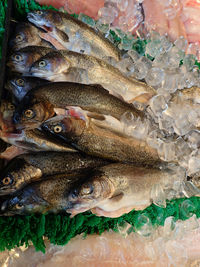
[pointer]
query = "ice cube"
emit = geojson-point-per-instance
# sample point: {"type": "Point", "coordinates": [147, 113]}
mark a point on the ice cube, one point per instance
{"type": "Point", "coordinates": [127, 42]}
{"type": "Point", "coordinates": [187, 208]}
{"type": "Point", "coordinates": [168, 227]}
{"type": "Point", "coordinates": [176, 253]}
{"type": "Point", "coordinates": [102, 27]}
{"type": "Point", "coordinates": [158, 104]}
{"type": "Point", "coordinates": [181, 43]}
{"type": "Point", "coordinates": [189, 61]}
{"type": "Point", "coordinates": [182, 125]}
{"type": "Point", "coordinates": [189, 79]}
{"type": "Point", "coordinates": [152, 139]}
{"type": "Point", "coordinates": [194, 139]}
{"type": "Point", "coordinates": [126, 66]}
{"type": "Point", "coordinates": [166, 124]}
{"type": "Point", "coordinates": [170, 82]}
{"type": "Point", "coordinates": [134, 55]}
{"type": "Point", "coordinates": [140, 129]}
{"type": "Point", "coordinates": [158, 196]}
{"type": "Point", "coordinates": [86, 19]}
{"type": "Point", "coordinates": [191, 223]}
{"type": "Point", "coordinates": [193, 164]}
{"type": "Point", "coordinates": [166, 44]}
{"type": "Point", "coordinates": [141, 70]}
{"type": "Point", "coordinates": [166, 151]}
{"type": "Point", "coordinates": [155, 76]}
{"type": "Point", "coordinates": [124, 229]}
{"type": "Point", "coordinates": [122, 5]}
{"type": "Point", "coordinates": [190, 189]}
{"type": "Point", "coordinates": [181, 147]}
{"type": "Point", "coordinates": [143, 225]}
{"type": "Point", "coordinates": [154, 48]}
{"type": "Point", "coordinates": [107, 14]}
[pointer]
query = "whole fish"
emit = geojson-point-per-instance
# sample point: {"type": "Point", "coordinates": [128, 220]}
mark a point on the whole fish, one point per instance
{"type": "Point", "coordinates": [31, 167]}
{"type": "Point", "coordinates": [115, 189]}
{"type": "Point", "coordinates": [75, 67]}
{"type": "Point", "coordinates": [26, 34]}
{"type": "Point", "coordinates": [100, 142]}
{"type": "Point", "coordinates": [40, 103]}
{"type": "Point", "coordinates": [21, 60]}
{"type": "Point", "coordinates": [73, 34]}
{"type": "Point", "coordinates": [20, 85]}
{"type": "Point", "coordinates": [41, 197]}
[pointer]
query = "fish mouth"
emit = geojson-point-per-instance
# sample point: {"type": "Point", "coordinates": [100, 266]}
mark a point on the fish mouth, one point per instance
{"type": "Point", "coordinates": [33, 18]}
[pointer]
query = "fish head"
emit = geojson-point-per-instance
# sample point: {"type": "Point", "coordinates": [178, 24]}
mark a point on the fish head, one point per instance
{"type": "Point", "coordinates": [7, 109]}
{"type": "Point", "coordinates": [17, 85]}
{"type": "Point", "coordinates": [21, 60]}
{"type": "Point", "coordinates": [32, 112]}
{"type": "Point", "coordinates": [89, 194]}
{"type": "Point", "coordinates": [46, 19]}
{"type": "Point", "coordinates": [26, 201]}
{"type": "Point", "coordinates": [64, 127]}
{"type": "Point", "coordinates": [25, 34]}
{"type": "Point", "coordinates": [51, 64]}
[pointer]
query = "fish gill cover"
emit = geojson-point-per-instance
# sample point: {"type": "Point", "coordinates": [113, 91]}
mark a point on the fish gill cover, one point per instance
{"type": "Point", "coordinates": [59, 229]}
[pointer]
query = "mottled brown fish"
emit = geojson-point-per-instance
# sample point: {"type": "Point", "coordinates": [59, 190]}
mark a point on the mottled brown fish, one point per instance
{"type": "Point", "coordinates": [40, 103]}
{"type": "Point", "coordinates": [26, 34]}
{"type": "Point", "coordinates": [100, 142]}
{"type": "Point", "coordinates": [73, 34]}
{"type": "Point", "coordinates": [74, 67]}
{"type": "Point", "coordinates": [115, 189]}
{"type": "Point", "coordinates": [28, 168]}
{"type": "Point", "coordinates": [21, 60]}
{"type": "Point", "coordinates": [41, 197]}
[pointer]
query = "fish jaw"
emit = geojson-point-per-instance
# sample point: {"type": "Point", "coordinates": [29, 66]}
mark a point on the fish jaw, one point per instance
{"type": "Point", "coordinates": [37, 21]}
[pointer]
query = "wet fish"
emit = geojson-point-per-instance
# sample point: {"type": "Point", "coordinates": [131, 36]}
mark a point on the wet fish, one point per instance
{"type": "Point", "coordinates": [26, 34]}
{"type": "Point", "coordinates": [20, 85]}
{"type": "Point", "coordinates": [75, 67]}
{"type": "Point", "coordinates": [41, 197]}
{"type": "Point", "coordinates": [73, 34]}
{"type": "Point", "coordinates": [100, 142]}
{"type": "Point", "coordinates": [116, 189]}
{"type": "Point", "coordinates": [21, 60]}
{"type": "Point", "coordinates": [40, 103]}
{"type": "Point", "coordinates": [28, 168]}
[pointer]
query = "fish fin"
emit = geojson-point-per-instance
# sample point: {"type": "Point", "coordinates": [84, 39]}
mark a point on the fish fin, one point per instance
{"type": "Point", "coordinates": [96, 116]}
{"type": "Point", "coordinates": [143, 98]}
{"type": "Point", "coordinates": [11, 152]}
{"type": "Point", "coordinates": [111, 214]}
{"type": "Point", "coordinates": [61, 34]}
{"type": "Point", "coordinates": [51, 40]}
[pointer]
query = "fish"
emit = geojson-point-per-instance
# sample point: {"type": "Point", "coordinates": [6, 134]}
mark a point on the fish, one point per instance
{"type": "Point", "coordinates": [39, 104]}
{"type": "Point", "coordinates": [31, 167]}
{"type": "Point", "coordinates": [21, 60]}
{"type": "Point", "coordinates": [115, 189]}
{"type": "Point", "coordinates": [74, 67]}
{"type": "Point", "coordinates": [100, 142]}
{"type": "Point", "coordinates": [26, 34]}
{"type": "Point", "coordinates": [73, 34]}
{"type": "Point", "coordinates": [19, 85]}
{"type": "Point", "coordinates": [41, 197]}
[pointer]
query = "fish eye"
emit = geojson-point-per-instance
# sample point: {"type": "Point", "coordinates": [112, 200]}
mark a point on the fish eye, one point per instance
{"type": "Point", "coordinates": [19, 37]}
{"type": "Point", "coordinates": [29, 113]}
{"type": "Point", "coordinates": [87, 189]}
{"type": "Point", "coordinates": [7, 180]}
{"type": "Point", "coordinates": [42, 63]}
{"type": "Point", "coordinates": [18, 206]}
{"type": "Point", "coordinates": [20, 82]}
{"type": "Point", "coordinates": [39, 12]}
{"type": "Point", "coordinates": [11, 106]}
{"type": "Point", "coordinates": [18, 57]}
{"type": "Point", "coordinates": [57, 129]}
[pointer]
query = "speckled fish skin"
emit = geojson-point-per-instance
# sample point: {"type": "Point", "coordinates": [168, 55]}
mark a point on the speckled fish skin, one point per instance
{"type": "Point", "coordinates": [41, 102]}
{"type": "Point", "coordinates": [19, 85]}
{"type": "Point", "coordinates": [100, 142]}
{"type": "Point", "coordinates": [61, 65]}
{"type": "Point", "coordinates": [115, 189]}
{"type": "Point", "coordinates": [41, 197]}
{"type": "Point", "coordinates": [65, 29]}
{"type": "Point", "coordinates": [26, 34]}
{"type": "Point", "coordinates": [28, 168]}
{"type": "Point", "coordinates": [21, 60]}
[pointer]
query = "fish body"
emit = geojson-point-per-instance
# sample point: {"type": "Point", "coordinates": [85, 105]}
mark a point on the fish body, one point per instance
{"type": "Point", "coordinates": [73, 34]}
{"type": "Point", "coordinates": [41, 101]}
{"type": "Point", "coordinates": [21, 60]}
{"type": "Point", "coordinates": [31, 167]}
{"type": "Point", "coordinates": [20, 85]}
{"type": "Point", "coordinates": [75, 67]}
{"type": "Point", "coordinates": [100, 142]}
{"type": "Point", "coordinates": [26, 34]}
{"type": "Point", "coordinates": [41, 197]}
{"type": "Point", "coordinates": [115, 189]}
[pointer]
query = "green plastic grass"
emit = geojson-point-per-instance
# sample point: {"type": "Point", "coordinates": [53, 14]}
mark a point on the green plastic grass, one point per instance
{"type": "Point", "coordinates": [59, 229]}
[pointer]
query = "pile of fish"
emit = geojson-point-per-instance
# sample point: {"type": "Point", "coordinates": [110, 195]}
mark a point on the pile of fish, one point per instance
{"type": "Point", "coordinates": [65, 114]}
